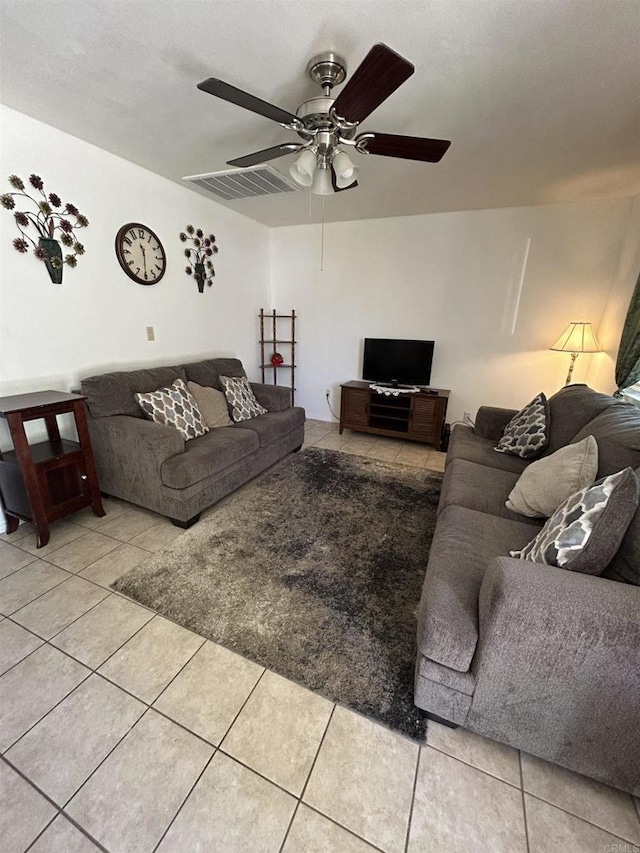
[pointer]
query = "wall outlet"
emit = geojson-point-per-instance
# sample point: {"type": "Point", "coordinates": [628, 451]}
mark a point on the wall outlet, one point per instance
{"type": "Point", "coordinates": [151, 335]}
{"type": "Point", "coordinates": [327, 392]}
{"type": "Point", "coordinates": [467, 419]}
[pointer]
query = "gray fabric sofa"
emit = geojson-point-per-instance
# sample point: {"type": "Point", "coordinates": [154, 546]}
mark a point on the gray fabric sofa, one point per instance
{"type": "Point", "coordinates": [541, 658]}
{"type": "Point", "coordinates": [152, 465]}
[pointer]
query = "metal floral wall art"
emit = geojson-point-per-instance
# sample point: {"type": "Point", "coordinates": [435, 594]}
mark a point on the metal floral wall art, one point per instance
{"type": "Point", "coordinates": [200, 264]}
{"type": "Point", "coordinates": [53, 221]}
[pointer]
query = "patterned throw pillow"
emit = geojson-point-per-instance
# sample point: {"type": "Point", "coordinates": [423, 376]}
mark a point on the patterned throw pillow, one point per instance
{"type": "Point", "coordinates": [527, 433]}
{"type": "Point", "coordinates": [174, 406]}
{"type": "Point", "coordinates": [585, 532]}
{"type": "Point", "coordinates": [241, 399]}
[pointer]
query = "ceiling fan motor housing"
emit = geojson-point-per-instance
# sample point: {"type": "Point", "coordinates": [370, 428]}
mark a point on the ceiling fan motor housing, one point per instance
{"type": "Point", "coordinates": [327, 69]}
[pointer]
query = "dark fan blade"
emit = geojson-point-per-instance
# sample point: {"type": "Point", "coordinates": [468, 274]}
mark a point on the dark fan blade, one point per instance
{"type": "Point", "coordinates": [243, 99]}
{"type": "Point", "coordinates": [406, 147]}
{"type": "Point", "coordinates": [265, 154]}
{"type": "Point", "coordinates": [378, 76]}
{"type": "Point", "coordinates": [338, 189]}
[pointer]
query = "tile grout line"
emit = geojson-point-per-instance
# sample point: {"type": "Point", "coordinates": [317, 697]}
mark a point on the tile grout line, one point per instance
{"type": "Point", "coordinates": [413, 800]}
{"type": "Point", "coordinates": [99, 765]}
{"type": "Point", "coordinates": [13, 612]}
{"type": "Point", "coordinates": [73, 621]}
{"type": "Point", "coordinates": [19, 569]}
{"type": "Point", "coordinates": [317, 811]}
{"type": "Point", "coordinates": [189, 792]}
{"type": "Point", "coordinates": [299, 799]}
{"type": "Point", "coordinates": [583, 819]}
{"type": "Point", "coordinates": [524, 805]}
{"type": "Point", "coordinates": [59, 810]}
{"type": "Point", "coordinates": [28, 655]}
{"type": "Point", "coordinates": [41, 833]}
{"type": "Point", "coordinates": [371, 844]}
{"type": "Point", "coordinates": [59, 702]}
{"type": "Point", "coordinates": [473, 766]}
{"type": "Point", "coordinates": [242, 707]}
{"type": "Point", "coordinates": [86, 613]}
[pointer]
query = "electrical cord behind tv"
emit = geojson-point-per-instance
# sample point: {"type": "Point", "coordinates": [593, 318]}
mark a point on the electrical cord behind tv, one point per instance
{"type": "Point", "coordinates": [327, 395]}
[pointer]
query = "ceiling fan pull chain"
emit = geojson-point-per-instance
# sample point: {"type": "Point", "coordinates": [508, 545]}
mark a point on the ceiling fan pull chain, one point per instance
{"type": "Point", "coordinates": [322, 238]}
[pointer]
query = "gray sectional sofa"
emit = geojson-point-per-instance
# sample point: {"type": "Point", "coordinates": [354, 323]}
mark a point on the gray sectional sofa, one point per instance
{"type": "Point", "coordinates": [543, 659]}
{"type": "Point", "coordinates": [153, 466]}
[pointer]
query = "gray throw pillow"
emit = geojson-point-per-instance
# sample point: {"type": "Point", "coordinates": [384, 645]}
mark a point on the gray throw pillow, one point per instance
{"type": "Point", "coordinates": [585, 532]}
{"type": "Point", "coordinates": [212, 404]}
{"type": "Point", "coordinates": [547, 483]}
{"type": "Point", "coordinates": [241, 399]}
{"type": "Point", "coordinates": [527, 433]}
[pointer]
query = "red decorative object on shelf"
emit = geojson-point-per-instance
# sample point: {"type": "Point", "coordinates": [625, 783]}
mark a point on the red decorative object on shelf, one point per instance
{"type": "Point", "coordinates": [277, 359]}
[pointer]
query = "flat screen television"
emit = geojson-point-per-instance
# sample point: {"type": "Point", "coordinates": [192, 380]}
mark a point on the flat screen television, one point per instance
{"type": "Point", "coordinates": [397, 362]}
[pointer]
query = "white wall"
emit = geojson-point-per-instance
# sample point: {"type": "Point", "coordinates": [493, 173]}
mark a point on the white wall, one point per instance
{"type": "Point", "coordinates": [602, 371]}
{"type": "Point", "coordinates": [454, 278]}
{"type": "Point", "coordinates": [51, 335]}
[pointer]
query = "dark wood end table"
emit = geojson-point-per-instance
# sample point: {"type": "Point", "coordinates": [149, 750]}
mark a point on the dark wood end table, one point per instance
{"type": "Point", "coordinates": [43, 482]}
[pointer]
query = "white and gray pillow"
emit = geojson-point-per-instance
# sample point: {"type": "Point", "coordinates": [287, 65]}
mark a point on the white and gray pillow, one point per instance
{"type": "Point", "coordinates": [527, 433]}
{"type": "Point", "coordinates": [241, 399]}
{"type": "Point", "coordinates": [546, 483]}
{"type": "Point", "coordinates": [174, 406]}
{"type": "Point", "coordinates": [585, 532]}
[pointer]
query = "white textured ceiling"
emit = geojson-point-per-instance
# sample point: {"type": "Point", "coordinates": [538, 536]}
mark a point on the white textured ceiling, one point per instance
{"type": "Point", "coordinates": [541, 98]}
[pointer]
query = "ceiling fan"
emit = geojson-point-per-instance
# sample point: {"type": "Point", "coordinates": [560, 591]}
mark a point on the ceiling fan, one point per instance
{"type": "Point", "coordinates": [326, 124]}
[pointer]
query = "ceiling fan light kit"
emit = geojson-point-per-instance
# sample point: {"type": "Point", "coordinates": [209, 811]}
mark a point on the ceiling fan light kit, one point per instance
{"type": "Point", "coordinates": [324, 124]}
{"type": "Point", "coordinates": [303, 167]}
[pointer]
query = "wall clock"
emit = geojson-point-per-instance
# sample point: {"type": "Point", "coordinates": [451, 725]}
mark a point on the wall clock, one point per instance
{"type": "Point", "coordinates": [140, 253]}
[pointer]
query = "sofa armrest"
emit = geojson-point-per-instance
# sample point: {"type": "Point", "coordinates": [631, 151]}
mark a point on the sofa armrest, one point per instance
{"type": "Point", "coordinates": [491, 421]}
{"type": "Point", "coordinates": [544, 606]}
{"type": "Point", "coordinates": [275, 398]}
{"type": "Point", "coordinates": [557, 667]}
{"type": "Point", "coordinates": [129, 452]}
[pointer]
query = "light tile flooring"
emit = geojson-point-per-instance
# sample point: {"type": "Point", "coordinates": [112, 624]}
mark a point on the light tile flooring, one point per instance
{"type": "Point", "coordinates": [124, 732]}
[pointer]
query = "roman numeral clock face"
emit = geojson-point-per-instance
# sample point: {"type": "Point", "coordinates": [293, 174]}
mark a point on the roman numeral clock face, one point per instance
{"type": "Point", "coordinates": [140, 253]}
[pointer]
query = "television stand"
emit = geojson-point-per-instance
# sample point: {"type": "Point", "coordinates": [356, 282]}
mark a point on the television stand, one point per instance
{"type": "Point", "coordinates": [414, 415]}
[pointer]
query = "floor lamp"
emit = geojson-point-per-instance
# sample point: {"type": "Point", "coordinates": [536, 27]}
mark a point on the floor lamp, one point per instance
{"type": "Point", "coordinates": [576, 338]}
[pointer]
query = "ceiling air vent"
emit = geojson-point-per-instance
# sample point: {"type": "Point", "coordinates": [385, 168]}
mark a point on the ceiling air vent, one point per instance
{"type": "Point", "coordinates": [244, 183]}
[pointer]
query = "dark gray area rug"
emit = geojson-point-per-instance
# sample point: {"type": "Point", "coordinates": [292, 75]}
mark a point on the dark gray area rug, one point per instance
{"type": "Point", "coordinates": [313, 570]}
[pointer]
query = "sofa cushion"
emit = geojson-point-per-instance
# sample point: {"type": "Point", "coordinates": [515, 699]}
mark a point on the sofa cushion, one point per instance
{"type": "Point", "coordinates": [617, 431]}
{"type": "Point", "coordinates": [274, 425]}
{"type": "Point", "coordinates": [464, 542]}
{"type": "Point", "coordinates": [212, 404]}
{"type": "Point", "coordinates": [478, 487]}
{"type": "Point", "coordinates": [465, 682]}
{"type": "Point", "coordinates": [586, 530]}
{"type": "Point", "coordinates": [527, 433]}
{"type": "Point", "coordinates": [113, 393]}
{"type": "Point", "coordinates": [206, 372]}
{"type": "Point", "coordinates": [241, 399]}
{"type": "Point", "coordinates": [570, 409]}
{"type": "Point", "coordinates": [275, 398]}
{"type": "Point", "coordinates": [207, 455]}
{"type": "Point", "coordinates": [465, 444]}
{"type": "Point", "coordinates": [548, 482]}
{"type": "Point", "coordinates": [174, 406]}
{"type": "Point", "coordinates": [625, 566]}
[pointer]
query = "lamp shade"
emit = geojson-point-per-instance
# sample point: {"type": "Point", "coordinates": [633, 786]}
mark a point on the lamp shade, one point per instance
{"type": "Point", "coordinates": [577, 337]}
{"type": "Point", "coordinates": [322, 182]}
{"type": "Point", "coordinates": [302, 169]}
{"type": "Point", "coordinates": [346, 172]}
